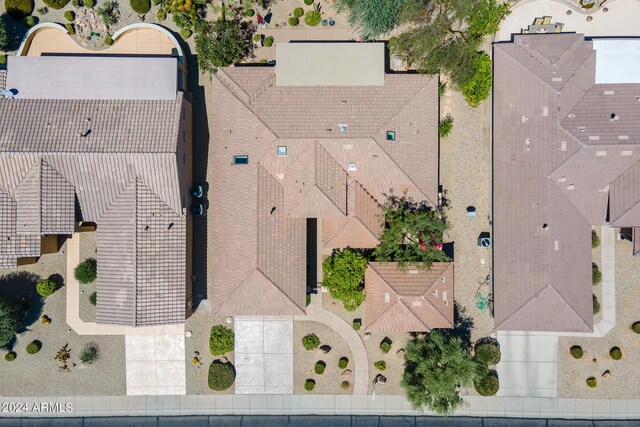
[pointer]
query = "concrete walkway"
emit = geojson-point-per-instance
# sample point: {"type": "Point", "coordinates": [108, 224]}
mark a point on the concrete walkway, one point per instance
{"type": "Point", "coordinates": [315, 313]}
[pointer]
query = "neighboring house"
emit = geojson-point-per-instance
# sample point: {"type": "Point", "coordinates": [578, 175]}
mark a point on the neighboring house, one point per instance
{"type": "Point", "coordinates": [566, 123]}
{"type": "Point", "coordinates": [102, 140]}
{"type": "Point", "coordinates": [304, 155]}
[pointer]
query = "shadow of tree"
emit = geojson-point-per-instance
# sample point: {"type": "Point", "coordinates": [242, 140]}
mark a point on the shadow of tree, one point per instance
{"type": "Point", "coordinates": [462, 325]}
{"type": "Point", "coordinates": [19, 288]}
{"type": "Point", "coordinates": [16, 30]}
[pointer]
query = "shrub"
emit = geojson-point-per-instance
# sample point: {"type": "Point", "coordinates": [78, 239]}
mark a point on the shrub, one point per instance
{"type": "Point", "coordinates": [249, 12]}
{"type": "Point", "coordinates": [380, 365]}
{"type": "Point", "coordinates": [445, 126]}
{"type": "Point", "coordinates": [89, 3]}
{"type": "Point", "coordinates": [161, 15]}
{"type": "Point", "coordinates": [357, 323]}
{"type": "Point", "coordinates": [309, 385]}
{"type": "Point", "coordinates": [185, 33]}
{"type": "Point", "coordinates": [596, 274]}
{"type": "Point", "coordinates": [34, 346]}
{"type": "Point", "coordinates": [385, 345]}
{"type": "Point", "coordinates": [10, 357]}
{"type": "Point", "coordinates": [56, 4]}
{"type": "Point", "coordinates": [30, 21]}
{"type": "Point", "coordinates": [615, 353]}
{"type": "Point", "coordinates": [19, 9]}
{"type": "Point", "coordinates": [46, 287]}
{"type": "Point", "coordinates": [312, 18]}
{"type": "Point", "coordinates": [487, 353]}
{"type": "Point", "coordinates": [70, 15]}
{"type": "Point", "coordinates": [308, 295]}
{"type": "Point", "coordinates": [591, 382]}
{"type": "Point", "coordinates": [343, 275]}
{"type": "Point", "coordinates": [595, 240]}
{"type": "Point", "coordinates": [310, 341]}
{"type": "Point", "coordinates": [298, 12]}
{"type": "Point", "coordinates": [89, 353]}
{"type": "Point", "coordinates": [221, 375]}
{"type": "Point", "coordinates": [141, 6]}
{"type": "Point", "coordinates": [256, 38]}
{"type": "Point", "coordinates": [308, 2]}
{"type": "Point", "coordinates": [442, 88]}
{"type": "Point", "coordinates": [109, 13]}
{"type": "Point", "coordinates": [478, 88]}
{"type": "Point", "coordinates": [87, 270]}
{"type": "Point", "coordinates": [43, 10]}
{"type": "Point", "coordinates": [222, 42]}
{"type": "Point", "coordinates": [343, 362]}
{"type": "Point", "coordinates": [345, 385]}
{"type": "Point", "coordinates": [93, 298]}
{"type": "Point", "coordinates": [268, 42]}
{"type": "Point", "coordinates": [221, 340]}
{"type": "Point", "coordinates": [108, 40]}
{"type": "Point", "coordinates": [3, 59]}
{"type": "Point", "coordinates": [8, 322]}
{"type": "Point", "coordinates": [487, 386]}
{"type": "Point", "coordinates": [596, 304]}
{"type": "Point", "coordinates": [320, 367]}
{"type": "Point", "coordinates": [293, 21]}
{"type": "Point", "coordinates": [636, 327]}
{"type": "Point", "coordinates": [576, 351]}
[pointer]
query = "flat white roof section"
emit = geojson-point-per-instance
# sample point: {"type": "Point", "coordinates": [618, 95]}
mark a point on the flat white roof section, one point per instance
{"type": "Point", "coordinates": [330, 64]}
{"type": "Point", "coordinates": [89, 77]}
{"type": "Point", "coordinates": [617, 60]}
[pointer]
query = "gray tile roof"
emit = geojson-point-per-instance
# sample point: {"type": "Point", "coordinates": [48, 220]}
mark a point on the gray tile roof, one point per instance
{"type": "Point", "coordinates": [119, 159]}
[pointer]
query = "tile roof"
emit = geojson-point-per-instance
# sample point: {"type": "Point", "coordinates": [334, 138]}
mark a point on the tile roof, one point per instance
{"type": "Point", "coordinates": [122, 174]}
{"type": "Point", "coordinates": [340, 178]}
{"type": "Point", "coordinates": [560, 160]}
{"type": "Point", "coordinates": [413, 300]}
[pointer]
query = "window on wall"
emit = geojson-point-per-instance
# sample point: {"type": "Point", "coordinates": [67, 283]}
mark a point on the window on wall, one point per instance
{"type": "Point", "coordinates": [241, 160]}
{"type": "Point", "coordinates": [282, 150]}
{"type": "Point", "coordinates": [184, 136]}
{"type": "Point", "coordinates": [184, 113]}
{"type": "Point", "coordinates": [184, 159]}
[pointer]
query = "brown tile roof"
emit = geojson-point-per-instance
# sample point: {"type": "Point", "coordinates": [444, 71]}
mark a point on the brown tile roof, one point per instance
{"type": "Point", "coordinates": [413, 300]}
{"type": "Point", "coordinates": [123, 175]}
{"type": "Point", "coordinates": [558, 160]}
{"type": "Point", "coordinates": [341, 178]}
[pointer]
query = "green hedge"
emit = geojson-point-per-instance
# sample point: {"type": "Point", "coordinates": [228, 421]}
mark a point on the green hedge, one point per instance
{"type": "Point", "coordinates": [221, 375]}
{"type": "Point", "coordinates": [141, 6]}
{"type": "Point", "coordinates": [87, 270]}
{"type": "Point", "coordinates": [487, 353]}
{"type": "Point", "coordinates": [221, 340]}
{"type": "Point", "coordinates": [19, 9]}
{"type": "Point", "coordinates": [57, 4]}
{"type": "Point", "coordinates": [479, 87]}
{"type": "Point", "coordinates": [93, 298]}
{"type": "Point", "coordinates": [487, 386]}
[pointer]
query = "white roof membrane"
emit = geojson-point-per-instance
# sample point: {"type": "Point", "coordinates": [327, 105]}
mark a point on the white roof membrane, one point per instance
{"type": "Point", "coordinates": [617, 60]}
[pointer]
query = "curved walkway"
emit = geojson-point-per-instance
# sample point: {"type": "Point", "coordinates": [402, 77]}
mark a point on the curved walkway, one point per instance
{"type": "Point", "coordinates": [316, 313]}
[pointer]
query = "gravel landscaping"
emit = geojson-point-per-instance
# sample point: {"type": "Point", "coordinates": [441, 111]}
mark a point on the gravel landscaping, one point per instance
{"type": "Point", "coordinates": [200, 324]}
{"type": "Point", "coordinates": [87, 250]}
{"type": "Point", "coordinates": [597, 289]}
{"type": "Point", "coordinates": [330, 381]}
{"type": "Point", "coordinates": [622, 378]}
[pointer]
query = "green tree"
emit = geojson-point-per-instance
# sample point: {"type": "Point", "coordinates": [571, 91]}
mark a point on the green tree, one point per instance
{"type": "Point", "coordinates": [372, 17]}
{"type": "Point", "coordinates": [477, 89]}
{"type": "Point", "coordinates": [436, 364]}
{"type": "Point", "coordinates": [343, 273]}
{"type": "Point", "coordinates": [412, 234]}
{"type": "Point", "coordinates": [223, 42]}
{"type": "Point", "coordinates": [4, 36]}
{"type": "Point", "coordinates": [8, 322]}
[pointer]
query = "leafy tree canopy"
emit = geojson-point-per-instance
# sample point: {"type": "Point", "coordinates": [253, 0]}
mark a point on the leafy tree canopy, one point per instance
{"type": "Point", "coordinates": [223, 42]}
{"type": "Point", "coordinates": [4, 36]}
{"type": "Point", "coordinates": [8, 322]}
{"type": "Point", "coordinates": [435, 365]}
{"type": "Point", "coordinates": [372, 17]}
{"type": "Point", "coordinates": [412, 234]}
{"type": "Point", "coordinates": [343, 273]}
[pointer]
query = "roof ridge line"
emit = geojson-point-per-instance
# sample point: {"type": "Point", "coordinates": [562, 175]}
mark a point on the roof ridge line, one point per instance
{"type": "Point", "coordinates": [517, 310]}
{"type": "Point", "coordinates": [449, 265]}
{"type": "Point", "coordinates": [395, 291]}
{"type": "Point", "coordinates": [570, 51]}
{"type": "Point", "coordinates": [514, 60]}
{"type": "Point", "coordinates": [634, 204]}
{"type": "Point", "coordinates": [415, 315]}
{"type": "Point", "coordinates": [569, 305]}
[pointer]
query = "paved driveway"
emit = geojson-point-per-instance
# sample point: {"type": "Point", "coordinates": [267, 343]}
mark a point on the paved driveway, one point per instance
{"type": "Point", "coordinates": [155, 364]}
{"type": "Point", "coordinates": [529, 364]}
{"type": "Point", "coordinates": [264, 355]}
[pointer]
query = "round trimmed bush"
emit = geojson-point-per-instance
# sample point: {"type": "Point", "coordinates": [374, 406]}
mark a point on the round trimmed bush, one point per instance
{"type": "Point", "coordinates": [221, 340]}
{"type": "Point", "coordinates": [345, 385]}
{"type": "Point", "coordinates": [87, 270]}
{"type": "Point", "coordinates": [308, 2]}
{"type": "Point", "coordinates": [636, 327]}
{"type": "Point", "coordinates": [185, 33]}
{"type": "Point", "coordinates": [380, 365]}
{"type": "Point", "coordinates": [89, 3]}
{"type": "Point", "coordinates": [343, 362]}
{"type": "Point", "coordinates": [10, 357]}
{"type": "Point", "coordinates": [487, 386]}
{"type": "Point", "coordinates": [221, 375]}
{"type": "Point", "coordinates": [70, 15]}
{"type": "Point", "coordinates": [312, 18]}
{"type": "Point", "coordinates": [595, 240]}
{"type": "Point", "coordinates": [310, 341]}
{"type": "Point", "coordinates": [309, 384]}
{"type": "Point", "coordinates": [249, 12]}
{"type": "Point", "coordinates": [19, 9]}
{"type": "Point", "coordinates": [576, 351]}
{"type": "Point", "coordinates": [357, 324]}
{"type": "Point", "coordinates": [30, 21]}
{"type": "Point", "coordinates": [596, 304]}
{"type": "Point", "coordinates": [161, 15]}
{"type": "Point", "coordinates": [141, 6]}
{"type": "Point", "coordinates": [487, 353]}
{"type": "Point", "coordinates": [268, 42]}
{"type": "Point", "coordinates": [591, 382]}
{"type": "Point", "coordinates": [596, 275]}
{"type": "Point", "coordinates": [89, 353]}
{"type": "Point", "coordinates": [615, 353]}
{"type": "Point", "coordinates": [93, 298]}
{"type": "Point", "coordinates": [293, 22]}
{"type": "Point", "coordinates": [46, 287]}
{"type": "Point", "coordinates": [385, 345]}
{"type": "Point", "coordinates": [57, 4]}
{"type": "Point", "coordinates": [320, 367]}
{"type": "Point", "coordinates": [298, 12]}
{"type": "Point", "coordinates": [34, 346]}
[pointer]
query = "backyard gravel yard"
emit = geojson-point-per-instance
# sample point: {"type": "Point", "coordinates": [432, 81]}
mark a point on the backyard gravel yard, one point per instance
{"type": "Point", "coordinates": [624, 375]}
{"type": "Point", "coordinates": [304, 361]}
{"type": "Point", "coordinates": [87, 250]}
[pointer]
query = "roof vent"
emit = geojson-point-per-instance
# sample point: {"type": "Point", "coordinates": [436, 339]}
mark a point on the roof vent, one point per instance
{"type": "Point", "coordinates": [342, 128]}
{"type": "Point", "coordinates": [571, 187]}
{"type": "Point", "coordinates": [562, 179]}
{"type": "Point", "coordinates": [571, 116]}
{"type": "Point", "coordinates": [352, 166]}
{"type": "Point", "coordinates": [613, 117]}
